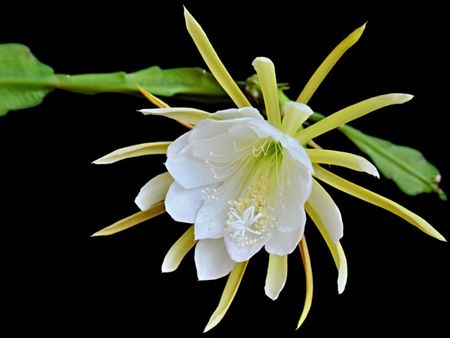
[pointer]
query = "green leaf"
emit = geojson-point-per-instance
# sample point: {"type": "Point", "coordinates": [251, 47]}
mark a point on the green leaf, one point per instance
{"type": "Point", "coordinates": [24, 81]}
{"type": "Point", "coordinates": [22, 78]}
{"type": "Point", "coordinates": [407, 167]}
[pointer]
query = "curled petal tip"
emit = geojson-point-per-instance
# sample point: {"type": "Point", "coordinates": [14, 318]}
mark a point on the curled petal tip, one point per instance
{"type": "Point", "coordinates": [166, 266]}
{"type": "Point", "coordinates": [101, 160]}
{"type": "Point", "coordinates": [178, 251]}
{"type": "Point", "coordinates": [211, 324]}
{"type": "Point", "coordinates": [166, 269]}
{"type": "Point", "coordinates": [276, 276]}
{"type": "Point", "coordinates": [358, 32]}
{"type": "Point", "coordinates": [436, 234]}
{"type": "Point", "coordinates": [261, 59]}
{"type": "Point", "coordinates": [406, 97]}
{"type": "Point", "coordinates": [208, 327]}
{"type": "Point", "coordinates": [271, 293]}
{"type": "Point", "coordinates": [341, 287]}
{"type": "Point", "coordinates": [441, 238]}
{"type": "Point", "coordinates": [372, 170]}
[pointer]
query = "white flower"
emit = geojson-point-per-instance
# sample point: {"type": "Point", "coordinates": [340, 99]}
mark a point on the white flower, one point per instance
{"type": "Point", "coordinates": [243, 183]}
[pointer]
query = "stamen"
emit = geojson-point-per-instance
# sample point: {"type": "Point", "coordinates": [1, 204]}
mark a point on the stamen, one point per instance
{"type": "Point", "coordinates": [262, 149]}
{"type": "Point", "coordinates": [209, 194]}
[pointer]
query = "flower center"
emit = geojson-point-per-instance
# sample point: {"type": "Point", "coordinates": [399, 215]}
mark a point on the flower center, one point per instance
{"type": "Point", "coordinates": [250, 215]}
{"type": "Point", "coordinates": [249, 220]}
{"type": "Point", "coordinates": [253, 175]}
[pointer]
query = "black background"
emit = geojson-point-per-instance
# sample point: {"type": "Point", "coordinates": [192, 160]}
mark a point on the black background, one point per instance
{"type": "Point", "coordinates": [58, 280]}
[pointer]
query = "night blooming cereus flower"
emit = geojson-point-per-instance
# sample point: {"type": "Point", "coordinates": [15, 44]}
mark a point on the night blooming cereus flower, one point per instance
{"type": "Point", "coordinates": [246, 183]}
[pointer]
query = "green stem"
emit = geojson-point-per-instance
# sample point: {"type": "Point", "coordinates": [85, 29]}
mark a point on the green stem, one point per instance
{"type": "Point", "coordinates": [94, 83]}
{"type": "Point", "coordinates": [282, 97]}
{"type": "Point", "coordinates": [315, 117]}
{"type": "Point", "coordinates": [85, 83]}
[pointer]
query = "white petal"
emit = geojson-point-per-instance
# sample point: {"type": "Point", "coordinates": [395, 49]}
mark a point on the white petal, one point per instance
{"type": "Point", "coordinates": [210, 220]}
{"type": "Point", "coordinates": [189, 171]}
{"type": "Point", "coordinates": [297, 152]}
{"type": "Point", "coordinates": [284, 243]}
{"type": "Point", "coordinates": [183, 204]}
{"type": "Point", "coordinates": [178, 145]}
{"type": "Point", "coordinates": [276, 276]}
{"type": "Point", "coordinates": [295, 188]}
{"type": "Point", "coordinates": [154, 191]}
{"type": "Point", "coordinates": [211, 217]}
{"type": "Point", "coordinates": [209, 128]}
{"type": "Point", "coordinates": [234, 113]}
{"type": "Point", "coordinates": [322, 203]}
{"type": "Point", "coordinates": [239, 252]}
{"type": "Point", "coordinates": [265, 130]}
{"type": "Point", "coordinates": [212, 260]}
{"type": "Point", "coordinates": [292, 216]}
{"type": "Point", "coordinates": [226, 147]}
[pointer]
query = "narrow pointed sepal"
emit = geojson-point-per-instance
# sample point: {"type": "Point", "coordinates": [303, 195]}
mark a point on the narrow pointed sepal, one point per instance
{"type": "Point", "coordinates": [233, 282]}
{"type": "Point", "coordinates": [329, 62]}
{"type": "Point", "coordinates": [151, 148]}
{"type": "Point", "coordinates": [178, 251]}
{"type": "Point", "coordinates": [322, 221]}
{"type": "Point", "coordinates": [350, 113]}
{"type": "Point", "coordinates": [342, 159]}
{"type": "Point", "coordinates": [309, 281]}
{"type": "Point", "coordinates": [213, 61]}
{"type": "Point", "coordinates": [276, 276]}
{"type": "Point", "coordinates": [191, 116]}
{"type": "Point", "coordinates": [377, 200]}
{"type": "Point", "coordinates": [132, 220]}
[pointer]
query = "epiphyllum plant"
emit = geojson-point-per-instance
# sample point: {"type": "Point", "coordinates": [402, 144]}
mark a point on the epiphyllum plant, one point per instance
{"type": "Point", "coordinates": [245, 182]}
